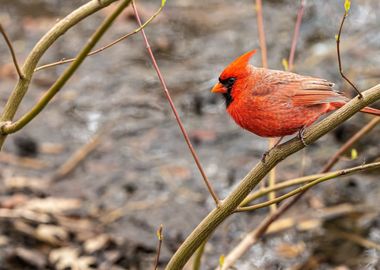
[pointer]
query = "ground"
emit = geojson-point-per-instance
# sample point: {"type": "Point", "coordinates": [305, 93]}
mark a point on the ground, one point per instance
{"type": "Point", "coordinates": [104, 213]}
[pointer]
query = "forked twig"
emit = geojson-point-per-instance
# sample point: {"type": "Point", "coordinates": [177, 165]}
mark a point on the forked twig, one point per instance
{"type": "Point", "coordinates": [347, 8]}
{"type": "Point", "coordinates": [172, 106]}
{"type": "Point", "coordinates": [65, 61]}
{"type": "Point", "coordinates": [8, 41]}
{"type": "Point", "coordinates": [307, 186]}
{"type": "Point", "coordinates": [357, 136]}
{"type": "Point", "coordinates": [7, 128]}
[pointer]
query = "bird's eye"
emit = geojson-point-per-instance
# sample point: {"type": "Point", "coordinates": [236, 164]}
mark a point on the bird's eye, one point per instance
{"type": "Point", "coordinates": [231, 81]}
{"type": "Point", "coordinates": [227, 82]}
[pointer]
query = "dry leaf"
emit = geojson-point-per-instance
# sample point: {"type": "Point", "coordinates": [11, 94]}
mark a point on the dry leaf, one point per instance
{"type": "Point", "coordinates": [290, 250]}
{"type": "Point", "coordinates": [63, 257]}
{"type": "Point", "coordinates": [4, 240]}
{"type": "Point", "coordinates": [21, 182]}
{"type": "Point", "coordinates": [32, 257]}
{"type": "Point", "coordinates": [51, 234]}
{"type": "Point", "coordinates": [53, 205]}
{"type": "Point", "coordinates": [24, 214]}
{"type": "Point", "coordinates": [68, 257]}
{"type": "Point", "coordinates": [14, 200]}
{"type": "Point", "coordinates": [94, 244]}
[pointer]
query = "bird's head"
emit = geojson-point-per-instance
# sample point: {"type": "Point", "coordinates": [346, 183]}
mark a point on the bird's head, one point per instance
{"type": "Point", "coordinates": [232, 79]}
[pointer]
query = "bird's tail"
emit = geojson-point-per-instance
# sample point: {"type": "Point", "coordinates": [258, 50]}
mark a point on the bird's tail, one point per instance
{"type": "Point", "coordinates": [373, 111]}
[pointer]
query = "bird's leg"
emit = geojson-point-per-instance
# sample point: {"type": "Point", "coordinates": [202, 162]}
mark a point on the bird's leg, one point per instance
{"type": "Point", "coordinates": [267, 152]}
{"type": "Point", "coordinates": [300, 135]}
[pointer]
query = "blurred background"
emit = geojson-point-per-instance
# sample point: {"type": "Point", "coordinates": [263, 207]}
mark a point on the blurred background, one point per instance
{"type": "Point", "coordinates": [102, 211]}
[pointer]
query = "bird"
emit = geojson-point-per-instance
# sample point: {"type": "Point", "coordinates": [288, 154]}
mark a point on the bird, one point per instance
{"type": "Point", "coordinates": [275, 103]}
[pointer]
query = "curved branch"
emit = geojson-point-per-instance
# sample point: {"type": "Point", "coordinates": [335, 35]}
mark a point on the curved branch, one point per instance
{"type": "Point", "coordinates": [229, 205]}
{"type": "Point", "coordinates": [289, 183]}
{"type": "Point", "coordinates": [39, 49]}
{"type": "Point", "coordinates": [61, 81]}
{"type": "Point", "coordinates": [310, 184]}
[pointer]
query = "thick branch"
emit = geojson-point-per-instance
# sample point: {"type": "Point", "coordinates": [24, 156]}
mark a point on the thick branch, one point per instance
{"type": "Point", "coordinates": [229, 205]}
{"type": "Point", "coordinates": [39, 49]}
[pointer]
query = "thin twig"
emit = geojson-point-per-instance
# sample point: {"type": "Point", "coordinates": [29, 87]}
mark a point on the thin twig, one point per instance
{"type": "Point", "coordinates": [305, 187]}
{"type": "Point", "coordinates": [260, 27]}
{"type": "Point", "coordinates": [64, 61]}
{"type": "Point", "coordinates": [9, 43]}
{"type": "Point", "coordinates": [159, 244]}
{"type": "Point", "coordinates": [300, 223]}
{"type": "Point", "coordinates": [291, 182]}
{"type": "Point", "coordinates": [356, 239]}
{"type": "Point", "coordinates": [61, 81]}
{"type": "Point", "coordinates": [264, 60]}
{"type": "Point", "coordinates": [295, 35]}
{"type": "Point", "coordinates": [357, 136]}
{"type": "Point", "coordinates": [172, 106]}
{"type": "Point", "coordinates": [81, 153]}
{"type": "Point", "coordinates": [338, 53]}
{"type": "Point", "coordinates": [198, 256]}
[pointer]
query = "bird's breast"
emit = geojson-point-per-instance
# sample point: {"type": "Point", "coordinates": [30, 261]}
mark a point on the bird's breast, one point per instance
{"type": "Point", "coordinates": [267, 116]}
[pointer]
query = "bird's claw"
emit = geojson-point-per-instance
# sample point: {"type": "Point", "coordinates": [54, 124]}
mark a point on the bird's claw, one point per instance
{"type": "Point", "coordinates": [301, 137]}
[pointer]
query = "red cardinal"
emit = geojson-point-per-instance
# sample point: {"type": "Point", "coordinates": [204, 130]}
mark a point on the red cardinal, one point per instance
{"type": "Point", "coordinates": [273, 103]}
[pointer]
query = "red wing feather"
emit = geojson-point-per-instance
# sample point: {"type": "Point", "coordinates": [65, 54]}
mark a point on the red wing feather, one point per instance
{"type": "Point", "coordinates": [315, 91]}
{"type": "Point", "coordinates": [302, 90]}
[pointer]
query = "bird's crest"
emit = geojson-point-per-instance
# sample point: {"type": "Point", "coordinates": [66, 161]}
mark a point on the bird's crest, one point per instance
{"type": "Point", "coordinates": [238, 66]}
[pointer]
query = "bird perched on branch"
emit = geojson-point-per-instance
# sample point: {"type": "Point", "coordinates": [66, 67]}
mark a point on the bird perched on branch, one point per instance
{"type": "Point", "coordinates": [273, 103]}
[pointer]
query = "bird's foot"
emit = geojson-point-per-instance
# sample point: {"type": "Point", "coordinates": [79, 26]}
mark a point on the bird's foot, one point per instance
{"type": "Point", "coordinates": [301, 137]}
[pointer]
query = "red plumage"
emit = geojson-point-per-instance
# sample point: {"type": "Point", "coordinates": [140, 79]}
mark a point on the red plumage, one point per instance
{"type": "Point", "coordinates": [273, 103]}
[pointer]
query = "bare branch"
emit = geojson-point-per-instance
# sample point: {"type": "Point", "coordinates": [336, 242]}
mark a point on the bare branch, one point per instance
{"type": "Point", "coordinates": [61, 81]}
{"type": "Point", "coordinates": [338, 53]}
{"type": "Point", "coordinates": [311, 184]}
{"type": "Point", "coordinates": [39, 49]}
{"type": "Point", "coordinates": [159, 244]}
{"type": "Point", "coordinates": [198, 256]}
{"type": "Point", "coordinates": [65, 61]}
{"type": "Point", "coordinates": [295, 35]}
{"type": "Point", "coordinates": [264, 60]}
{"type": "Point", "coordinates": [176, 115]}
{"type": "Point", "coordinates": [362, 132]}
{"type": "Point", "coordinates": [7, 40]}
{"type": "Point", "coordinates": [260, 27]}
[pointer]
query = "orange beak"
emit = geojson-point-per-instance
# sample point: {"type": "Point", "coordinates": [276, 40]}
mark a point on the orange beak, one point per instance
{"type": "Point", "coordinates": [219, 88]}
